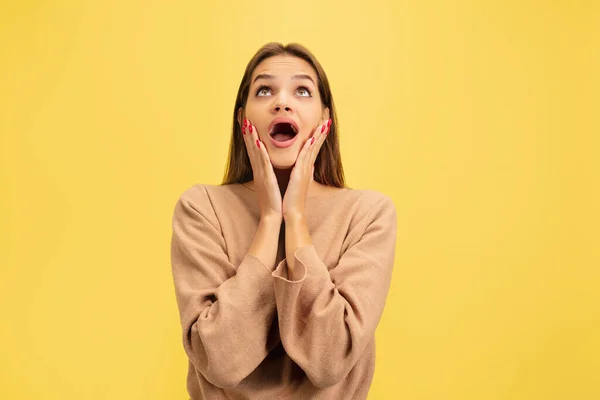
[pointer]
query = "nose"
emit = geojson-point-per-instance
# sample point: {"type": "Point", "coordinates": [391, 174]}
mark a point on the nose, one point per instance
{"type": "Point", "coordinates": [281, 104]}
{"type": "Point", "coordinates": [282, 107]}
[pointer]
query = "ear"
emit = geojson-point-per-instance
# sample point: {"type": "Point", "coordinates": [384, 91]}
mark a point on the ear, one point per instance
{"type": "Point", "coordinates": [326, 113]}
{"type": "Point", "coordinates": [240, 116]}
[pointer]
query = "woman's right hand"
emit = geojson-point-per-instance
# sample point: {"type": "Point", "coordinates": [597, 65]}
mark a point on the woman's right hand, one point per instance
{"type": "Point", "coordinates": [265, 182]}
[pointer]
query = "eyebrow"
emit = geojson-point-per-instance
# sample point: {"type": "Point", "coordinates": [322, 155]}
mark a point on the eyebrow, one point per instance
{"type": "Point", "coordinates": [269, 76]}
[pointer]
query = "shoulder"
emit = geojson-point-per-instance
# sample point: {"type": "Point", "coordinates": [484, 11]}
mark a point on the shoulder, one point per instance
{"type": "Point", "coordinates": [370, 202]}
{"type": "Point", "coordinates": [191, 204]}
{"type": "Point", "coordinates": [359, 207]}
{"type": "Point", "coordinates": [207, 199]}
{"type": "Point", "coordinates": [195, 196]}
{"type": "Point", "coordinates": [201, 194]}
{"type": "Point", "coordinates": [372, 198]}
{"type": "Point", "coordinates": [195, 200]}
{"type": "Point", "coordinates": [361, 212]}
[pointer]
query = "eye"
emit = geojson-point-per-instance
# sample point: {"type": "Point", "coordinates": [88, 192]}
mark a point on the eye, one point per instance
{"type": "Point", "coordinates": [303, 91]}
{"type": "Point", "coordinates": [263, 91]}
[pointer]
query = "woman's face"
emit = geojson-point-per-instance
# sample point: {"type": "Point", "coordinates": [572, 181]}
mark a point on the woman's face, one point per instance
{"type": "Point", "coordinates": [285, 106]}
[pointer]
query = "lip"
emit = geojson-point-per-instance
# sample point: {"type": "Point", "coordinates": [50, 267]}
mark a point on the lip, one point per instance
{"type": "Point", "coordinates": [285, 144]}
{"type": "Point", "coordinates": [280, 120]}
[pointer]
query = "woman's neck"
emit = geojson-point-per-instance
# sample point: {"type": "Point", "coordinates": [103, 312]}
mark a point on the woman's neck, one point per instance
{"type": "Point", "coordinates": [283, 178]}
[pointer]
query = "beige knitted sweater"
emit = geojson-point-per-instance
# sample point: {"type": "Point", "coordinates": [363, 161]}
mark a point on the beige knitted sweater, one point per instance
{"type": "Point", "coordinates": [248, 331]}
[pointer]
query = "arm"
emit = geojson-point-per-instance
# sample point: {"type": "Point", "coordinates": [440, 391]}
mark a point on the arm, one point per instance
{"type": "Point", "coordinates": [327, 318]}
{"type": "Point", "coordinates": [226, 312]}
{"type": "Point", "coordinates": [266, 240]}
{"type": "Point", "coordinates": [296, 236]}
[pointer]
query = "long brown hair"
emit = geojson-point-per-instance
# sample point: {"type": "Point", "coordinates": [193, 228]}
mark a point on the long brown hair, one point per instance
{"type": "Point", "coordinates": [328, 165]}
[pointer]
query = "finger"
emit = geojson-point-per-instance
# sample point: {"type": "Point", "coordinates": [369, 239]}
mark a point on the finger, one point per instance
{"type": "Point", "coordinates": [304, 152]}
{"type": "Point", "coordinates": [305, 155]}
{"type": "Point", "coordinates": [320, 136]}
{"type": "Point", "coordinates": [262, 155]}
{"type": "Point", "coordinates": [262, 149]}
{"type": "Point", "coordinates": [245, 135]}
{"type": "Point", "coordinates": [250, 136]}
{"type": "Point", "coordinates": [323, 136]}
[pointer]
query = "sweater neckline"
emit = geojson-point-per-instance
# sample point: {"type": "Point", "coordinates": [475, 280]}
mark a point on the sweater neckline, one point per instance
{"type": "Point", "coordinates": [314, 196]}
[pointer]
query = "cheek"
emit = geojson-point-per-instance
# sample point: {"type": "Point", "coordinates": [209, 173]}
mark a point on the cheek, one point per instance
{"type": "Point", "coordinates": [252, 109]}
{"type": "Point", "coordinates": [257, 118]}
{"type": "Point", "coordinates": [311, 121]}
{"type": "Point", "coordinates": [317, 116]}
{"type": "Point", "coordinates": [250, 113]}
{"type": "Point", "coordinates": [312, 127]}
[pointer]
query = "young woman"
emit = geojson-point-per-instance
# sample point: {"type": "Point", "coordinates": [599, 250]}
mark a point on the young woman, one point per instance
{"type": "Point", "coordinates": [281, 273]}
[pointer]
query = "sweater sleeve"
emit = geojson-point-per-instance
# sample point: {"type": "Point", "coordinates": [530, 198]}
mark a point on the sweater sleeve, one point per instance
{"type": "Point", "coordinates": [226, 311]}
{"type": "Point", "coordinates": [327, 318]}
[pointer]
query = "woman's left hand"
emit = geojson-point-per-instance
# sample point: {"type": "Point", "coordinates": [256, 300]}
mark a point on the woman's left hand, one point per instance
{"type": "Point", "coordinates": [302, 173]}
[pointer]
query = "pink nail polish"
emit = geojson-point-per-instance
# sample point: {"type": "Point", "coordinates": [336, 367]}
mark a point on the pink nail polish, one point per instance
{"type": "Point", "coordinates": [329, 122]}
{"type": "Point", "coordinates": [323, 129]}
{"type": "Point", "coordinates": [257, 142]}
{"type": "Point", "coordinates": [250, 128]}
{"type": "Point", "coordinates": [244, 130]}
{"type": "Point", "coordinates": [312, 140]}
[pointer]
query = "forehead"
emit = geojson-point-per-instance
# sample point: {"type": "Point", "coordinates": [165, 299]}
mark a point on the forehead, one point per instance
{"type": "Point", "coordinates": [284, 65]}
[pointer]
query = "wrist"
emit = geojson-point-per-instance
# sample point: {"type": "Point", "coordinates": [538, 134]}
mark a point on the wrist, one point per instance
{"type": "Point", "coordinates": [271, 218]}
{"type": "Point", "coordinates": [293, 217]}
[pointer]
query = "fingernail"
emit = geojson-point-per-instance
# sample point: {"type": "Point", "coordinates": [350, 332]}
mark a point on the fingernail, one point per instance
{"type": "Point", "coordinates": [257, 141]}
{"type": "Point", "coordinates": [312, 140]}
{"type": "Point", "coordinates": [329, 122]}
{"type": "Point", "coordinates": [250, 128]}
{"type": "Point", "coordinates": [245, 122]}
{"type": "Point", "coordinates": [244, 130]}
{"type": "Point", "coordinates": [323, 129]}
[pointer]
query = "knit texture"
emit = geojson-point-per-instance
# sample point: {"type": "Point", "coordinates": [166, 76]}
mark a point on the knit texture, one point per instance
{"type": "Point", "coordinates": [248, 331]}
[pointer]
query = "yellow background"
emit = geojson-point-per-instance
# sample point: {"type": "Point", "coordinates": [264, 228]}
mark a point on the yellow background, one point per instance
{"type": "Point", "coordinates": [478, 118]}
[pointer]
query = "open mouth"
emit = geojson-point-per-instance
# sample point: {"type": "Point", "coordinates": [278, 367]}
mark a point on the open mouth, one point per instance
{"type": "Point", "coordinates": [283, 131]}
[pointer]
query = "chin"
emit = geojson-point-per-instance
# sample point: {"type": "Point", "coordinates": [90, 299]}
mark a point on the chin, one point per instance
{"type": "Point", "coordinates": [284, 161]}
